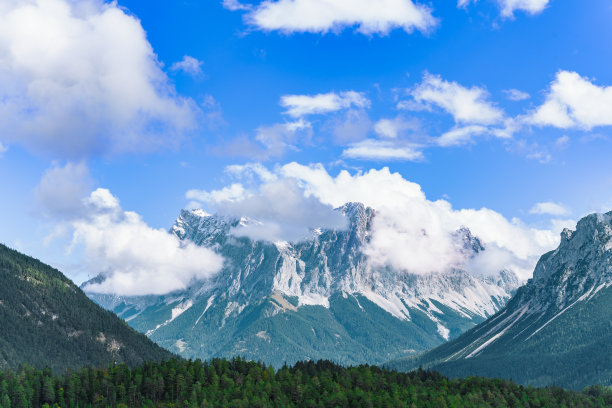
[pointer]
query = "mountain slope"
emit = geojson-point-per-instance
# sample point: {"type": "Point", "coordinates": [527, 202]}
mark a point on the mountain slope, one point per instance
{"type": "Point", "coordinates": [46, 320]}
{"type": "Point", "coordinates": [556, 330]}
{"type": "Point", "coordinates": [281, 302]}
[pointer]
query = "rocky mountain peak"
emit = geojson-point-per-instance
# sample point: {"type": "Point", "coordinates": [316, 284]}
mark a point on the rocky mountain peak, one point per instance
{"type": "Point", "coordinates": [324, 287]}
{"type": "Point", "coordinates": [557, 325]}
{"type": "Point", "coordinates": [583, 255]}
{"type": "Point", "coordinates": [471, 244]}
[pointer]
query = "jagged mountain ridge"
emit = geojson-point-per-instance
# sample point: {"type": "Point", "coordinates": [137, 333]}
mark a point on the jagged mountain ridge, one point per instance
{"type": "Point", "coordinates": [314, 299]}
{"type": "Point", "coordinates": [46, 320]}
{"type": "Point", "coordinates": [557, 329]}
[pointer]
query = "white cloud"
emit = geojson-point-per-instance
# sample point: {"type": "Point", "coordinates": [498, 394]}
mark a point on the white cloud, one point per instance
{"type": "Point", "coordinates": [276, 210]}
{"type": "Point", "coordinates": [189, 65]}
{"type": "Point", "coordinates": [508, 7]}
{"type": "Point", "coordinates": [410, 232]}
{"type": "Point", "coordinates": [61, 189]}
{"type": "Point", "coordinates": [415, 234]}
{"type": "Point", "coordinates": [135, 258]}
{"type": "Point", "coordinates": [3, 149]}
{"type": "Point", "coordinates": [467, 105]}
{"type": "Point", "coordinates": [461, 135]}
{"type": "Point", "coordinates": [392, 128]}
{"type": "Point", "coordinates": [516, 95]}
{"type": "Point", "coordinates": [80, 78]}
{"type": "Point", "coordinates": [549, 208]}
{"type": "Point", "coordinates": [371, 149]}
{"type": "Point", "coordinates": [280, 137]}
{"type": "Point", "coordinates": [301, 105]}
{"type": "Point", "coordinates": [250, 171]}
{"type": "Point", "coordinates": [322, 16]}
{"type": "Point", "coordinates": [234, 5]}
{"type": "Point", "coordinates": [351, 127]}
{"type": "Point", "coordinates": [559, 225]}
{"type": "Point", "coordinates": [541, 156]}
{"type": "Point", "coordinates": [270, 141]}
{"type": "Point", "coordinates": [529, 6]}
{"type": "Point", "coordinates": [562, 142]}
{"type": "Point", "coordinates": [531, 150]}
{"type": "Point", "coordinates": [574, 102]}
{"type": "Point", "coordinates": [231, 193]}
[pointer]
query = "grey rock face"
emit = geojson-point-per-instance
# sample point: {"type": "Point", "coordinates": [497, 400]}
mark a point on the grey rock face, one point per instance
{"type": "Point", "coordinates": [557, 329]}
{"type": "Point", "coordinates": [320, 298]}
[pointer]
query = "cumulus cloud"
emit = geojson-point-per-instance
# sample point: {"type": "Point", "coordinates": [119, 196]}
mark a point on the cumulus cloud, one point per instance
{"type": "Point", "coordinates": [562, 142]}
{"type": "Point", "coordinates": [372, 149]}
{"type": "Point", "coordinates": [234, 5]}
{"type": "Point", "coordinates": [559, 224]}
{"type": "Point", "coordinates": [473, 112]}
{"type": "Point", "coordinates": [516, 95]}
{"type": "Point", "coordinates": [424, 229]}
{"type": "Point", "coordinates": [80, 78]}
{"type": "Point", "coordinates": [392, 128]}
{"type": "Point", "coordinates": [350, 127]}
{"type": "Point", "coordinates": [574, 102]}
{"type": "Point", "coordinates": [407, 210]}
{"type": "Point", "coordinates": [280, 137]}
{"type": "Point", "coordinates": [134, 258]}
{"type": "Point", "coordinates": [508, 7]}
{"type": "Point", "coordinates": [251, 171]}
{"type": "Point", "coordinates": [301, 105]}
{"type": "Point", "coordinates": [231, 193]}
{"type": "Point", "coordinates": [273, 141]}
{"type": "Point", "coordinates": [322, 16]}
{"type": "Point", "coordinates": [410, 232]}
{"type": "Point", "coordinates": [549, 208]}
{"type": "Point", "coordinates": [61, 189]}
{"type": "Point", "coordinates": [461, 135]}
{"type": "Point", "coordinates": [466, 105]}
{"type": "Point", "coordinates": [276, 210]}
{"type": "Point", "coordinates": [189, 65]}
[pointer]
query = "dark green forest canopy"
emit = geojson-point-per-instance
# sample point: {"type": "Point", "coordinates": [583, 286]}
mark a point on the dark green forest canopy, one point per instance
{"type": "Point", "coordinates": [241, 383]}
{"type": "Point", "coordinates": [46, 320]}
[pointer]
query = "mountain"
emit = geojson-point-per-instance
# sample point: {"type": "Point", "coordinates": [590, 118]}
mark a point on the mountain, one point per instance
{"type": "Point", "coordinates": [46, 320]}
{"type": "Point", "coordinates": [317, 299]}
{"type": "Point", "coordinates": [557, 329]}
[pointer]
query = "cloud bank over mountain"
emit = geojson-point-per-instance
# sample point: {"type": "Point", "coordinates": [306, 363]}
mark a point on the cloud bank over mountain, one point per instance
{"type": "Point", "coordinates": [410, 232]}
{"type": "Point", "coordinates": [135, 258]}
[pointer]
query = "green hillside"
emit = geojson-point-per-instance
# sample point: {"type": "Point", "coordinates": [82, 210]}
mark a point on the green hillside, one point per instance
{"type": "Point", "coordinates": [46, 320]}
{"type": "Point", "coordinates": [573, 351]}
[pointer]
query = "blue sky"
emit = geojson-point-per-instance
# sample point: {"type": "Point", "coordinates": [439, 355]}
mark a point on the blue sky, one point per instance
{"type": "Point", "coordinates": [525, 83]}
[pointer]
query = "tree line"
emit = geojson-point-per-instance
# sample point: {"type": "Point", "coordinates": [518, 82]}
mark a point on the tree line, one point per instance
{"type": "Point", "coordinates": [242, 383]}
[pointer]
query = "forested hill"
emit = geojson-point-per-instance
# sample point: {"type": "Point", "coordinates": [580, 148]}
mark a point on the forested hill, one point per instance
{"type": "Point", "coordinates": [46, 320]}
{"type": "Point", "coordinates": [238, 383]}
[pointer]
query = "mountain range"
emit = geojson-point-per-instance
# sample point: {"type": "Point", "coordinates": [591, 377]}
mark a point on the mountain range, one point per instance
{"type": "Point", "coordinates": [557, 329]}
{"type": "Point", "coordinates": [320, 298]}
{"type": "Point", "coordinates": [47, 321]}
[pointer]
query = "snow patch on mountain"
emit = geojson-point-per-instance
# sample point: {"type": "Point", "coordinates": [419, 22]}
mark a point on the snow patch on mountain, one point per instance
{"type": "Point", "coordinates": [282, 277]}
{"type": "Point", "coordinates": [574, 273]}
{"type": "Point", "coordinates": [176, 312]}
{"type": "Point", "coordinates": [314, 283]}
